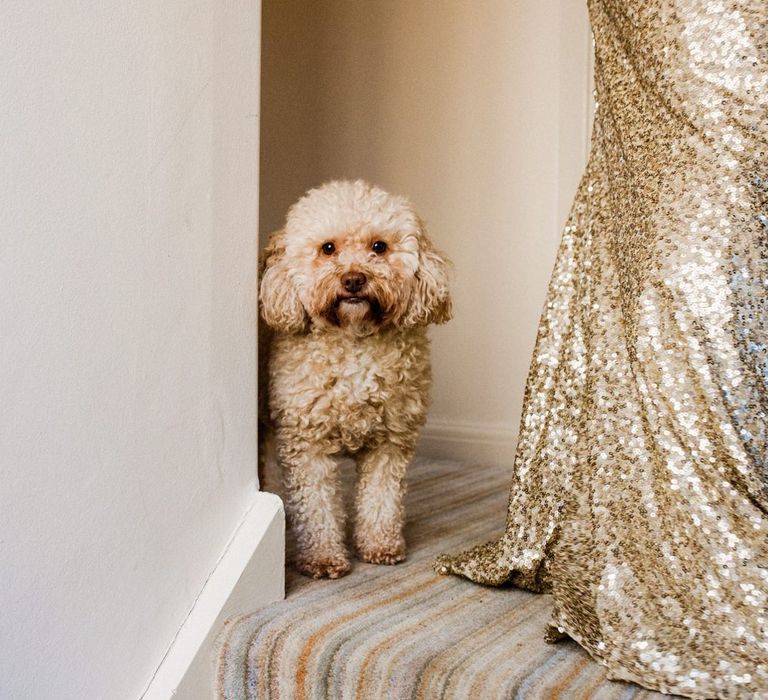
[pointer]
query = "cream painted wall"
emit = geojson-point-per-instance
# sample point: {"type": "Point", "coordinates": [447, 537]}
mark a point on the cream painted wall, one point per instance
{"type": "Point", "coordinates": [128, 168]}
{"type": "Point", "coordinates": [476, 110]}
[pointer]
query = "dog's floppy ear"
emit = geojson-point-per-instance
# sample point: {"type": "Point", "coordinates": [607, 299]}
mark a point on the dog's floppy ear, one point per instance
{"type": "Point", "coordinates": [430, 300]}
{"type": "Point", "coordinates": [280, 305]}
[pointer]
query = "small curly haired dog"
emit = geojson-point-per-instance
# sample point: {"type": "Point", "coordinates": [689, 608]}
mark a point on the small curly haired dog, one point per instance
{"type": "Point", "coordinates": [347, 289]}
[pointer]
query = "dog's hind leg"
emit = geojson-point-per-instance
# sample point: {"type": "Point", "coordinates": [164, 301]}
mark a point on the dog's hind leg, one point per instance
{"type": "Point", "coordinates": [315, 510]}
{"type": "Point", "coordinates": [379, 495]}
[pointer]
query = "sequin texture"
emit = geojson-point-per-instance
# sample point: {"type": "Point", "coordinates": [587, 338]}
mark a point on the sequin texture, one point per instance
{"type": "Point", "coordinates": [640, 492]}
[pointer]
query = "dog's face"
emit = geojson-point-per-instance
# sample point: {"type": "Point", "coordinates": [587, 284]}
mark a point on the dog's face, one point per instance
{"type": "Point", "coordinates": [354, 257]}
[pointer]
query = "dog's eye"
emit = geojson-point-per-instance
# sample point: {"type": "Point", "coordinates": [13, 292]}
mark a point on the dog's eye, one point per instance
{"type": "Point", "coordinates": [328, 248]}
{"type": "Point", "coordinates": [379, 247]}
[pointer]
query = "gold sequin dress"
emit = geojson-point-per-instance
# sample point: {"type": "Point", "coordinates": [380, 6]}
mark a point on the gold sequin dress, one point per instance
{"type": "Point", "coordinates": [640, 496]}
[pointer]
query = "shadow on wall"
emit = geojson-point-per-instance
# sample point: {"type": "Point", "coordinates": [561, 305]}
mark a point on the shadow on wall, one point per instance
{"type": "Point", "coordinates": [376, 90]}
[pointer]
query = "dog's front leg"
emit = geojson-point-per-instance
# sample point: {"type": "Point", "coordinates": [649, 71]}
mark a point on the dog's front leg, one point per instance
{"type": "Point", "coordinates": [379, 504]}
{"type": "Point", "coordinates": [313, 504]}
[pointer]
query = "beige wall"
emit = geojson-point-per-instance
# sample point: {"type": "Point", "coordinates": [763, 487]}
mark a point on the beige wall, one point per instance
{"type": "Point", "coordinates": [128, 188]}
{"type": "Point", "coordinates": [477, 111]}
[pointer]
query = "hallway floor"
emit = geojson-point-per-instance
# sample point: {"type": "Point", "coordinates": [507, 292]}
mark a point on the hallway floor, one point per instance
{"type": "Point", "coordinates": [404, 632]}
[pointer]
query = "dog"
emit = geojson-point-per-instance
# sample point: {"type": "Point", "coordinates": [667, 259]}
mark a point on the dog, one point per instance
{"type": "Point", "coordinates": [347, 289]}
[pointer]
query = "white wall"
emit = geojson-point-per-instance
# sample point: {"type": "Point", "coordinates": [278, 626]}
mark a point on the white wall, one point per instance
{"type": "Point", "coordinates": [128, 183]}
{"type": "Point", "coordinates": [476, 110]}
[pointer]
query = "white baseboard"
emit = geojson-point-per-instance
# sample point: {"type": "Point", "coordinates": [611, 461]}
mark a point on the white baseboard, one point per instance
{"type": "Point", "coordinates": [249, 574]}
{"type": "Point", "coordinates": [468, 442]}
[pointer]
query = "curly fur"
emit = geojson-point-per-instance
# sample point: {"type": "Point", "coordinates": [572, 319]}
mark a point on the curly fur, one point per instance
{"type": "Point", "coordinates": [349, 371]}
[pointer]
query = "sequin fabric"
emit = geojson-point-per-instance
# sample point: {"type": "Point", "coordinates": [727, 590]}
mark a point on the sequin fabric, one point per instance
{"type": "Point", "coordinates": [640, 496]}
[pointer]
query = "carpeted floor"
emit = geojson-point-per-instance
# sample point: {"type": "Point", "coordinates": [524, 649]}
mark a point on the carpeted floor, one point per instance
{"type": "Point", "coordinates": [404, 632]}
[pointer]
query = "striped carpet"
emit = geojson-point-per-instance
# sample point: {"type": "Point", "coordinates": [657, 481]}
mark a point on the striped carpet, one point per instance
{"type": "Point", "coordinates": [404, 632]}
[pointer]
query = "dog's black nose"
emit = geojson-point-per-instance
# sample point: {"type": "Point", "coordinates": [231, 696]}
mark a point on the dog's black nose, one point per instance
{"type": "Point", "coordinates": [353, 281]}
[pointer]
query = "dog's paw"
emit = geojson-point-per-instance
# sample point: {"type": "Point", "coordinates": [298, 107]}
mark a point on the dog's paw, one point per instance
{"type": "Point", "coordinates": [324, 567]}
{"type": "Point", "coordinates": [381, 553]}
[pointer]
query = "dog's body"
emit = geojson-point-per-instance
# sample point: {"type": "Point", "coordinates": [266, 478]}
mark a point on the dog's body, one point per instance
{"type": "Point", "coordinates": [348, 288]}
